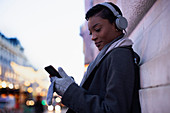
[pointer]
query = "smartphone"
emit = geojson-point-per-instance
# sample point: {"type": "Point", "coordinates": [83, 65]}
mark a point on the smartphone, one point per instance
{"type": "Point", "coordinates": [52, 71]}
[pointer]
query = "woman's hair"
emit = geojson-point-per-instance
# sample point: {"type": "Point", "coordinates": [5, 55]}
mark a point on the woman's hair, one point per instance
{"type": "Point", "coordinates": [103, 12]}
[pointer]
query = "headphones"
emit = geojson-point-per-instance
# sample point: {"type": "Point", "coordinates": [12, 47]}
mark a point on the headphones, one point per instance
{"type": "Point", "coordinates": [121, 22]}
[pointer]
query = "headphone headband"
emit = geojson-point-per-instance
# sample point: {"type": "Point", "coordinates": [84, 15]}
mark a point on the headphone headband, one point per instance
{"type": "Point", "coordinates": [111, 8]}
{"type": "Point", "coordinates": [120, 21]}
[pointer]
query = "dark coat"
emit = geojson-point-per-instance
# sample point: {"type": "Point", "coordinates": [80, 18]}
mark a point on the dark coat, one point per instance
{"type": "Point", "coordinates": [111, 87]}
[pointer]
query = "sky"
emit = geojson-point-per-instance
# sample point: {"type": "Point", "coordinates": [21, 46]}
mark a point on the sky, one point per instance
{"type": "Point", "coordinates": [49, 31]}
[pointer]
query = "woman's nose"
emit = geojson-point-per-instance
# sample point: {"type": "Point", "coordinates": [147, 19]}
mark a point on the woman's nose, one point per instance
{"type": "Point", "coordinates": [94, 37]}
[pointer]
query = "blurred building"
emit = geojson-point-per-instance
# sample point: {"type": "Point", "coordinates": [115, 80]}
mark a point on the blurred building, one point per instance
{"type": "Point", "coordinates": [149, 29]}
{"type": "Point", "coordinates": [12, 88]}
{"type": "Point", "coordinates": [11, 51]}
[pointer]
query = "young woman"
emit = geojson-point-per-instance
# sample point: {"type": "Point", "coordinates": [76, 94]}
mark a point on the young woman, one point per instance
{"type": "Point", "coordinates": [111, 82]}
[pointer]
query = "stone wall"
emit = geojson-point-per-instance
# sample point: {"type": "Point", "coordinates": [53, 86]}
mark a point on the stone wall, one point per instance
{"type": "Point", "coordinates": [151, 41]}
{"type": "Point", "coordinates": [134, 11]}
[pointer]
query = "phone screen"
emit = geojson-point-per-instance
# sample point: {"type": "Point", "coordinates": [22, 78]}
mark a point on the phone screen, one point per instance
{"type": "Point", "coordinates": [52, 71]}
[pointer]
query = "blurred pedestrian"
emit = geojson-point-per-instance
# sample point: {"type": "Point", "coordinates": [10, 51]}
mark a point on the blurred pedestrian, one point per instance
{"type": "Point", "coordinates": [111, 82]}
{"type": "Point", "coordinates": [38, 105]}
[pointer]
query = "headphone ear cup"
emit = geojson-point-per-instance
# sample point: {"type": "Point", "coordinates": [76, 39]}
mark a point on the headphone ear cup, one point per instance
{"type": "Point", "coordinates": [121, 23]}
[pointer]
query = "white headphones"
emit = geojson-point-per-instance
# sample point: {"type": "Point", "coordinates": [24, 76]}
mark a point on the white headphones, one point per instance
{"type": "Point", "coordinates": [121, 22]}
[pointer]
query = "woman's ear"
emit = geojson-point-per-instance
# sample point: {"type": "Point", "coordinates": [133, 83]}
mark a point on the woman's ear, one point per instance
{"type": "Point", "coordinates": [114, 27]}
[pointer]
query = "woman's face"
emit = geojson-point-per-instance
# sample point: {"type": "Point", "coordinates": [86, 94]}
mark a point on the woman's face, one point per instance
{"type": "Point", "coordinates": [102, 31]}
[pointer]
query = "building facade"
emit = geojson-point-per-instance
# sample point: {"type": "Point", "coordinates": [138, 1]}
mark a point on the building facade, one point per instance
{"type": "Point", "coordinates": [148, 28]}
{"type": "Point", "coordinates": [10, 51]}
{"type": "Point", "coordinates": [19, 80]}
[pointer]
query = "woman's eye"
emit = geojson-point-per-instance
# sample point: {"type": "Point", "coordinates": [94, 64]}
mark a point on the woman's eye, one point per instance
{"type": "Point", "coordinates": [97, 30]}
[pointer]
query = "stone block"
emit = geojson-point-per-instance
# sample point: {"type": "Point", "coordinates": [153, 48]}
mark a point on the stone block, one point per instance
{"type": "Point", "coordinates": [155, 100]}
{"type": "Point", "coordinates": [156, 71]}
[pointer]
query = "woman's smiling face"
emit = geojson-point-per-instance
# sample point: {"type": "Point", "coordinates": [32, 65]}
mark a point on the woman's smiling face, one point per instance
{"type": "Point", "coordinates": [102, 31]}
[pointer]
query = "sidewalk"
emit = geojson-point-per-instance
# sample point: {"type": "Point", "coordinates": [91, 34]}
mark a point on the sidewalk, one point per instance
{"type": "Point", "coordinates": [63, 110]}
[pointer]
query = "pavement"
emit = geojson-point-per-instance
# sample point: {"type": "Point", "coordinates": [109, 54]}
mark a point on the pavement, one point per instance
{"type": "Point", "coordinates": [63, 110]}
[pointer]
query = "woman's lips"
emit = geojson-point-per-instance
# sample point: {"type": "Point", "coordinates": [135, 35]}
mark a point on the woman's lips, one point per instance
{"type": "Point", "coordinates": [97, 43]}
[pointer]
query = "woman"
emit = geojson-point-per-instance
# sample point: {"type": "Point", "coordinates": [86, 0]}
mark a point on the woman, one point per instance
{"type": "Point", "coordinates": [111, 82]}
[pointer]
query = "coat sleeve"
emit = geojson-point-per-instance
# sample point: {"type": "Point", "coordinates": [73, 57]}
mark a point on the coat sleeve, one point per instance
{"type": "Point", "coordinates": [119, 88]}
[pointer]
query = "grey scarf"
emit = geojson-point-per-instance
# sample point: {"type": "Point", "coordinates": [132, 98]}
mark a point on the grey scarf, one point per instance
{"type": "Point", "coordinates": [107, 48]}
